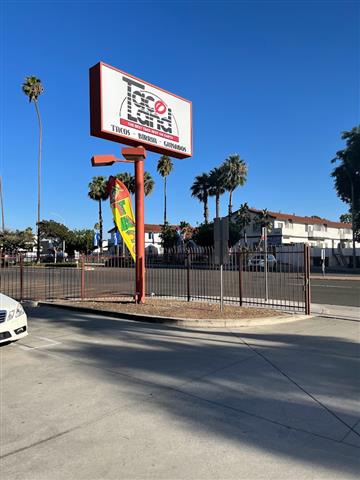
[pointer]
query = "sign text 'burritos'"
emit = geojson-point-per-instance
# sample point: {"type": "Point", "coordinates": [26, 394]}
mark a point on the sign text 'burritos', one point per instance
{"type": "Point", "coordinates": [128, 110]}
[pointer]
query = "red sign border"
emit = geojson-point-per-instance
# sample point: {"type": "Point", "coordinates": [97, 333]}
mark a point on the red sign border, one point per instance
{"type": "Point", "coordinates": [96, 129]}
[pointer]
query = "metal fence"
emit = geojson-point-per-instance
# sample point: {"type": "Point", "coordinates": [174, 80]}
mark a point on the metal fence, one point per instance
{"type": "Point", "coordinates": [279, 278]}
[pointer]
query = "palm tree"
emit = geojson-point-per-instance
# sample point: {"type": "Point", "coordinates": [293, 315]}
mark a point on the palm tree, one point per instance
{"type": "Point", "coordinates": [32, 87]}
{"type": "Point", "coordinates": [264, 219]}
{"type": "Point", "coordinates": [98, 192]}
{"type": "Point", "coordinates": [217, 186]}
{"type": "Point", "coordinates": [235, 172]}
{"type": "Point", "coordinates": [149, 184]}
{"type": "Point", "coordinates": [243, 218]}
{"type": "Point", "coordinates": [2, 207]}
{"type": "Point", "coordinates": [200, 190]}
{"type": "Point", "coordinates": [164, 168]}
{"type": "Point", "coordinates": [129, 182]}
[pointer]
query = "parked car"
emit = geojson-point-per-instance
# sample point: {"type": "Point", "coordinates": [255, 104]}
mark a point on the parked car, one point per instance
{"type": "Point", "coordinates": [257, 262]}
{"type": "Point", "coordinates": [13, 320]}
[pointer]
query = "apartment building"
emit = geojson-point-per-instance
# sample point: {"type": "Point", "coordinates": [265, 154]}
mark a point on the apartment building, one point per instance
{"type": "Point", "coordinates": [290, 228]}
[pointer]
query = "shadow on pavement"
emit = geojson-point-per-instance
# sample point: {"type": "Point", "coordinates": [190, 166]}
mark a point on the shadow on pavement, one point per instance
{"type": "Point", "coordinates": [206, 373]}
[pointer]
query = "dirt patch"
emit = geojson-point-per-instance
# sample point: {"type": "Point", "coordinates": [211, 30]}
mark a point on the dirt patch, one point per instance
{"type": "Point", "coordinates": [176, 309]}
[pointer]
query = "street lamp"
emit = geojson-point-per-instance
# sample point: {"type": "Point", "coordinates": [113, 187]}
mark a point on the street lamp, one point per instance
{"type": "Point", "coordinates": [137, 156]}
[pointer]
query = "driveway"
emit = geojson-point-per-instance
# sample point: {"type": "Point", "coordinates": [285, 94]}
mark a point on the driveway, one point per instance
{"type": "Point", "coordinates": [88, 397]}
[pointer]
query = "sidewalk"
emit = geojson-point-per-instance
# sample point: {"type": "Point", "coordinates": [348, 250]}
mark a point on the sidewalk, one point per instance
{"type": "Point", "coordinates": [338, 311]}
{"type": "Point", "coordinates": [334, 276]}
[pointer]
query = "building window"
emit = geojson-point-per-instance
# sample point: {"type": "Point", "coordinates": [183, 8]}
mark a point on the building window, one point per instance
{"type": "Point", "coordinates": [151, 236]}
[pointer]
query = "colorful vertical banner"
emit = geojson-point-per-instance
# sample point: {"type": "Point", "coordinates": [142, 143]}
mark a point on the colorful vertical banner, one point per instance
{"type": "Point", "coordinates": [120, 203]}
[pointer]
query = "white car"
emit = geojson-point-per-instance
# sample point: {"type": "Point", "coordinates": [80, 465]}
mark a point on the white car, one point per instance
{"type": "Point", "coordinates": [13, 320]}
{"type": "Point", "coordinates": [258, 261]}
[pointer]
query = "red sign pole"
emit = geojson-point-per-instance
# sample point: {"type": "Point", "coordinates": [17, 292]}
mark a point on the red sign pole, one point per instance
{"type": "Point", "coordinates": [137, 155]}
{"type": "Point", "coordinates": [140, 233]}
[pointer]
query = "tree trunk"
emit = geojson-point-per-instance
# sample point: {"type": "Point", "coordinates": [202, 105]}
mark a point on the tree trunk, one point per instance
{"type": "Point", "coordinates": [100, 227]}
{"type": "Point", "coordinates": [353, 223]}
{"type": "Point", "coordinates": [217, 200]}
{"type": "Point", "coordinates": [206, 210]}
{"type": "Point", "coordinates": [2, 206]}
{"type": "Point", "coordinates": [39, 182]}
{"type": "Point", "coordinates": [164, 200]}
{"type": "Point", "coordinates": [230, 203]}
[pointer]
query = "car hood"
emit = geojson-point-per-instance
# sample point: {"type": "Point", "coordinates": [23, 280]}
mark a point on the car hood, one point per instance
{"type": "Point", "coordinates": [7, 302]}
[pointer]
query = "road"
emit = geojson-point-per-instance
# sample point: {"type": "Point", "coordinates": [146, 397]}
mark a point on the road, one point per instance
{"type": "Point", "coordinates": [336, 292]}
{"type": "Point", "coordinates": [87, 397]}
{"type": "Point", "coordinates": [48, 283]}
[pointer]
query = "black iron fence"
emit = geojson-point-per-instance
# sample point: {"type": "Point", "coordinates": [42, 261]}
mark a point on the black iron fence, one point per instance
{"type": "Point", "coordinates": [278, 278]}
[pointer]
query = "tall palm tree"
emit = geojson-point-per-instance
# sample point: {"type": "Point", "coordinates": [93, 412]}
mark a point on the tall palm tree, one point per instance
{"type": "Point", "coordinates": [129, 182]}
{"type": "Point", "coordinates": [235, 172]}
{"type": "Point", "coordinates": [32, 87]}
{"type": "Point", "coordinates": [164, 168]}
{"type": "Point", "coordinates": [217, 186]}
{"type": "Point", "coordinates": [98, 192]}
{"type": "Point", "coordinates": [2, 207]}
{"type": "Point", "coordinates": [200, 190]}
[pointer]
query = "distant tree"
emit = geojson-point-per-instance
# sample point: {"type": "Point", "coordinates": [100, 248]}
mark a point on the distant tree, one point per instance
{"type": "Point", "coordinates": [54, 231]}
{"type": "Point", "coordinates": [347, 179]}
{"type": "Point", "coordinates": [234, 174]}
{"type": "Point", "coordinates": [164, 168]}
{"type": "Point", "coordinates": [346, 218]}
{"type": "Point", "coordinates": [15, 240]}
{"type": "Point", "coordinates": [33, 88]}
{"type": "Point", "coordinates": [264, 219]}
{"type": "Point", "coordinates": [217, 186]}
{"type": "Point", "coordinates": [168, 236]}
{"type": "Point", "coordinates": [98, 192]}
{"type": "Point", "coordinates": [129, 182]}
{"type": "Point", "coordinates": [200, 190]}
{"type": "Point", "coordinates": [80, 240]}
{"type": "Point", "coordinates": [242, 220]}
{"type": "Point", "coordinates": [203, 235]}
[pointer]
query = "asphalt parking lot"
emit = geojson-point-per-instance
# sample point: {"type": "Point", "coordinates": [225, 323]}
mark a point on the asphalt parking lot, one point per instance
{"type": "Point", "coordinates": [88, 397]}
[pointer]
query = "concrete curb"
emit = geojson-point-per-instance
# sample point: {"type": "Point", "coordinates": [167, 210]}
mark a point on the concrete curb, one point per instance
{"type": "Point", "coordinates": [181, 322]}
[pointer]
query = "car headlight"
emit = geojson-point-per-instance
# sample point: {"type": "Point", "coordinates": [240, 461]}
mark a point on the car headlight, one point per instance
{"type": "Point", "coordinates": [16, 313]}
{"type": "Point", "coordinates": [19, 310]}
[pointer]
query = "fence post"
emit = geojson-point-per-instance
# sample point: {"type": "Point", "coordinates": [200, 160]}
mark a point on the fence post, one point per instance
{"type": "Point", "coordinates": [307, 279]}
{"type": "Point", "coordinates": [240, 279]}
{"type": "Point", "coordinates": [188, 275]}
{"type": "Point", "coordinates": [82, 263]}
{"type": "Point", "coordinates": [21, 278]}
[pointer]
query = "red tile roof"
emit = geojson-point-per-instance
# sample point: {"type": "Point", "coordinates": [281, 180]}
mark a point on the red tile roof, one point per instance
{"type": "Point", "coordinates": [310, 220]}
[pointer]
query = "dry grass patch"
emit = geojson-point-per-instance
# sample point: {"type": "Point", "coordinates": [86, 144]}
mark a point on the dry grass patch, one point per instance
{"type": "Point", "coordinates": [176, 309]}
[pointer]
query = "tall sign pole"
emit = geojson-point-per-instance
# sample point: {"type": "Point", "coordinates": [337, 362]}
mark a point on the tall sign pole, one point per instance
{"type": "Point", "coordinates": [137, 155]}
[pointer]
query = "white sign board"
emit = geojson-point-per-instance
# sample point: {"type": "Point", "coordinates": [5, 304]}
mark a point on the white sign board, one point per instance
{"type": "Point", "coordinates": [128, 110]}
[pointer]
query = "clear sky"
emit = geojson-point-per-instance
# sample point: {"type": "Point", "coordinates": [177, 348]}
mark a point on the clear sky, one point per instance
{"type": "Point", "coordinates": [275, 81]}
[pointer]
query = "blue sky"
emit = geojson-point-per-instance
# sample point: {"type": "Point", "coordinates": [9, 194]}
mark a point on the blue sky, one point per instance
{"type": "Point", "coordinates": [276, 82]}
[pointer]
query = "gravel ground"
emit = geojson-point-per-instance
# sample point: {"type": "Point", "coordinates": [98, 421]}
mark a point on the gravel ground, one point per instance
{"type": "Point", "coordinates": [175, 308]}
